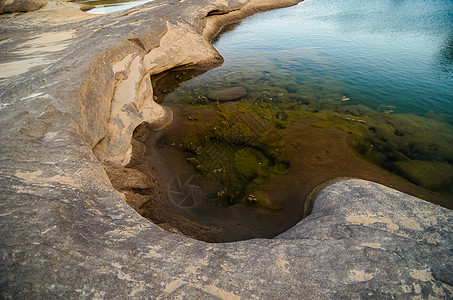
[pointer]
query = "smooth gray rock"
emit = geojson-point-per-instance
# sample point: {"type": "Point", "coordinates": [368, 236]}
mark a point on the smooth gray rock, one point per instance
{"type": "Point", "coordinates": [363, 240]}
{"type": "Point", "coordinates": [65, 233]}
{"type": "Point", "coordinates": [230, 94]}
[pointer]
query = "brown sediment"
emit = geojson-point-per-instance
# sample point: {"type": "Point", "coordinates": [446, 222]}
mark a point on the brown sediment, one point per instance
{"type": "Point", "coordinates": [143, 191]}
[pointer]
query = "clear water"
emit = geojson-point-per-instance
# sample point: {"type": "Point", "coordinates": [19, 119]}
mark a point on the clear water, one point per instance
{"type": "Point", "coordinates": [387, 52]}
{"type": "Point", "coordinates": [380, 70]}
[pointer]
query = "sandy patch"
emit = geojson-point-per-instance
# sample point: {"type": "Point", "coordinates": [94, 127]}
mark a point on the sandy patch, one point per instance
{"type": "Point", "coordinates": [36, 52]}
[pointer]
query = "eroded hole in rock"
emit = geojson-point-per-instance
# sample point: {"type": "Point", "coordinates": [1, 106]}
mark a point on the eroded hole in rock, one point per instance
{"type": "Point", "coordinates": [239, 167]}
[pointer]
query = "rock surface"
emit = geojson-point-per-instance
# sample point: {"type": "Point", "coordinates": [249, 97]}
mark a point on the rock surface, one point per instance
{"type": "Point", "coordinates": [230, 94]}
{"type": "Point", "coordinates": [66, 233]}
{"type": "Point", "coordinates": [11, 6]}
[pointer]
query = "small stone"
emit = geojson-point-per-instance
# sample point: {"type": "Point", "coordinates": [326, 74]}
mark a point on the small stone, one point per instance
{"type": "Point", "coordinates": [230, 94]}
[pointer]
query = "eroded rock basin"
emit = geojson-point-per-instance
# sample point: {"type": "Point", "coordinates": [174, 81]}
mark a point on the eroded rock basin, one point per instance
{"type": "Point", "coordinates": [298, 120]}
{"type": "Point", "coordinates": [313, 155]}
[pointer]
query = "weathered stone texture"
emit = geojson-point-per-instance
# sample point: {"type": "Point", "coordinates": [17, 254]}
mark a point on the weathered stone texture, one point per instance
{"type": "Point", "coordinates": [65, 233]}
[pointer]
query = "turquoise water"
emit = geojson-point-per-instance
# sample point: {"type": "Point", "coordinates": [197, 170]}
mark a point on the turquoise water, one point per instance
{"type": "Point", "coordinates": [377, 53]}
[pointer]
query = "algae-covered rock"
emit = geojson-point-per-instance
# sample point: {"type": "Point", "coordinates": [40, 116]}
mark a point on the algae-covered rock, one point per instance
{"type": "Point", "coordinates": [10, 6]}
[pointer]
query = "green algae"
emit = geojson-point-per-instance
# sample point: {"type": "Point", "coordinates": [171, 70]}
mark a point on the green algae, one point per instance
{"type": "Point", "coordinates": [237, 155]}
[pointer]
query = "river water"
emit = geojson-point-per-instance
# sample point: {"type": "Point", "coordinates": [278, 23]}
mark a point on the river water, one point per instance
{"type": "Point", "coordinates": [355, 88]}
{"type": "Point", "coordinates": [389, 52]}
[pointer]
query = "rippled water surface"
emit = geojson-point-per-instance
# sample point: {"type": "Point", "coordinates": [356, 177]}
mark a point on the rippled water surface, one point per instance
{"type": "Point", "coordinates": [356, 88]}
{"type": "Point", "coordinates": [390, 52]}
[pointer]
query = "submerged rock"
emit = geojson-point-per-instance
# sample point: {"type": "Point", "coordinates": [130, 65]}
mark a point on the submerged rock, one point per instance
{"type": "Point", "coordinates": [230, 94]}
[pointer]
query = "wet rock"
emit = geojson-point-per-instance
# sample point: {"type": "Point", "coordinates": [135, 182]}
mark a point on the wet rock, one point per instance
{"type": "Point", "coordinates": [230, 94]}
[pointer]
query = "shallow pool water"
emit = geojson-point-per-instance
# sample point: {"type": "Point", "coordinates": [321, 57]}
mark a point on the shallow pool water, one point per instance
{"type": "Point", "coordinates": [335, 88]}
{"type": "Point", "coordinates": [376, 53]}
{"type": "Point", "coordinates": [108, 6]}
